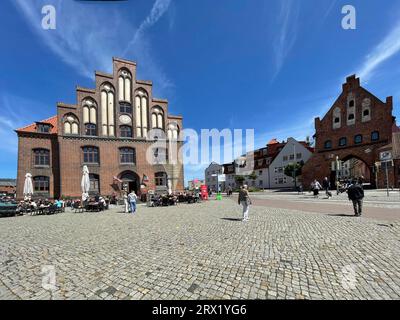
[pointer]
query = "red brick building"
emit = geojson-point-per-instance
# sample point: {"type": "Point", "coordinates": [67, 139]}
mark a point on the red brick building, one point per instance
{"type": "Point", "coordinates": [7, 186]}
{"type": "Point", "coordinates": [112, 129]}
{"type": "Point", "coordinates": [355, 130]}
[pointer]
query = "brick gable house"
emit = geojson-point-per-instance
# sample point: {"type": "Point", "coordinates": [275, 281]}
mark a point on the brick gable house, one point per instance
{"type": "Point", "coordinates": [110, 129]}
{"type": "Point", "coordinates": [353, 131]}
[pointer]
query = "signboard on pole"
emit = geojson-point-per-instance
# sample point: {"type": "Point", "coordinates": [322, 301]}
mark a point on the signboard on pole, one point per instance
{"type": "Point", "coordinates": [386, 162]}
{"type": "Point", "coordinates": [221, 178]}
{"type": "Point", "coordinates": [386, 165]}
{"type": "Point", "coordinates": [385, 156]}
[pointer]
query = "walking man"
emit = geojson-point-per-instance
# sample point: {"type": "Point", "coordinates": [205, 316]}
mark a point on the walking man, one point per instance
{"type": "Point", "coordinates": [132, 201]}
{"type": "Point", "coordinates": [355, 193]}
{"type": "Point", "coordinates": [244, 200]}
{"type": "Point", "coordinates": [326, 185]}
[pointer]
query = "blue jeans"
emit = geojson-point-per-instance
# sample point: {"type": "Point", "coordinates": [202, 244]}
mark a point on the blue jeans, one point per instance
{"type": "Point", "coordinates": [133, 206]}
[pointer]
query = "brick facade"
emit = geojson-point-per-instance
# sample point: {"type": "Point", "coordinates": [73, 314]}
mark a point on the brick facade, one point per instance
{"type": "Point", "coordinates": [8, 186]}
{"type": "Point", "coordinates": [66, 148]}
{"type": "Point", "coordinates": [356, 113]}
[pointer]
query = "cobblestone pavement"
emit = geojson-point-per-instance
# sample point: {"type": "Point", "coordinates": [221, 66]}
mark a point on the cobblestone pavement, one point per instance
{"type": "Point", "coordinates": [199, 251]}
{"type": "Point", "coordinates": [373, 198]}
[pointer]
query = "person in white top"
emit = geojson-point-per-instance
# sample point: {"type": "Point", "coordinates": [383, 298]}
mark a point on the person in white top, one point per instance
{"type": "Point", "coordinates": [132, 201]}
{"type": "Point", "coordinates": [126, 203]}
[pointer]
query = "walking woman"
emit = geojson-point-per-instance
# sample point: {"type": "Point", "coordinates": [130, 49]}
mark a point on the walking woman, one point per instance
{"type": "Point", "coordinates": [132, 197]}
{"type": "Point", "coordinates": [244, 200]}
{"type": "Point", "coordinates": [316, 186]}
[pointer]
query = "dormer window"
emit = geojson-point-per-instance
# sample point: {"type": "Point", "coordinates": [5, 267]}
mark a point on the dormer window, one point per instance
{"type": "Point", "coordinates": [351, 103]}
{"type": "Point", "coordinates": [43, 128]}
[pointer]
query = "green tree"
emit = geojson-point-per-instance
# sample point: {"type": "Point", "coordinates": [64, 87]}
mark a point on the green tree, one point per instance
{"type": "Point", "coordinates": [294, 170]}
{"type": "Point", "coordinates": [252, 176]}
{"type": "Point", "coordinates": [239, 180]}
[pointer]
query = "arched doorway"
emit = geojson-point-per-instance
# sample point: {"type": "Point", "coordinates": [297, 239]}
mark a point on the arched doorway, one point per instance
{"type": "Point", "coordinates": [352, 167]}
{"type": "Point", "coordinates": [130, 181]}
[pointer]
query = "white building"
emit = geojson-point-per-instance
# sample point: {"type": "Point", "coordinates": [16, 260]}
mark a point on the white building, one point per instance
{"type": "Point", "coordinates": [293, 151]}
{"type": "Point", "coordinates": [267, 163]}
{"type": "Point", "coordinates": [256, 161]}
{"type": "Point", "coordinates": [211, 178]}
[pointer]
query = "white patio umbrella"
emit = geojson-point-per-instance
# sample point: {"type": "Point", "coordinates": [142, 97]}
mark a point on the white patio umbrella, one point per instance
{"type": "Point", "coordinates": [85, 183]}
{"type": "Point", "coordinates": [28, 186]}
{"type": "Point", "coordinates": [169, 187]}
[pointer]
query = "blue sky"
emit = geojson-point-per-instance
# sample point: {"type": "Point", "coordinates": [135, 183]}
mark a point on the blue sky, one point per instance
{"type": "Point", "coordinates": [268, 65]}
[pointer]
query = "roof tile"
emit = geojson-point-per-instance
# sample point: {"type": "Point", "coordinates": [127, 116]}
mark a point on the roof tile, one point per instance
{"type": "Point", "coordinates": [32, 127]}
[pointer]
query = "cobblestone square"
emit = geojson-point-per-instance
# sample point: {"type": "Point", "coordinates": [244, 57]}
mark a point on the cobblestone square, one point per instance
{"type": "Point", "coordinates": [199, 251]}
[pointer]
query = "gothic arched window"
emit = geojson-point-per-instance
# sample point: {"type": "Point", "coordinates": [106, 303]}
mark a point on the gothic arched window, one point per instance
{"type": "Point", "coordinates": [89, 109]}
{"type": "Point", "coordinates": [141, 105]}
{"type": "Point", "coordinates": [124, 85]}
{"type": "Point", "coordinates": [157, 118]}
{"type": "Point", "coordinates": [71, 124]}
{"type": "Point", "coordinates": [173, 131]}
{"type": "Point", "coordinates": [107, 110]}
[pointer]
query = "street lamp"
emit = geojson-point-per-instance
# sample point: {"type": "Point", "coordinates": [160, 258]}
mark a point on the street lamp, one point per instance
{"type": "Point", "coordinates": [294, 166]}
{"type": "Point", "coordinates": [337, 174]}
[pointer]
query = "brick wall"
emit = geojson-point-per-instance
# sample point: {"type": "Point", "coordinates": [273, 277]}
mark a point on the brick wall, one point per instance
{"type": "Point", "coordinates": [66, 151]}
{"type": "Point", "coordinates": [26, 144]}
{"type": "Point", "coordinates": [381, 119]}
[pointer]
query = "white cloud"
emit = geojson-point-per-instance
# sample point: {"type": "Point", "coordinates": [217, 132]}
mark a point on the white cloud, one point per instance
{"type": "Point", "coordinates": [13, 107]}
{"type": "Point", "coordinates": [386, 49]}
{"type": "Point", "coordinates": [157, 11]}
{"type": "Point", "coordinates": [287, 32]}
{"type": "Point", "coordinates": [88, 36]}
{"type": "Point", "coordinates": [332, 4]}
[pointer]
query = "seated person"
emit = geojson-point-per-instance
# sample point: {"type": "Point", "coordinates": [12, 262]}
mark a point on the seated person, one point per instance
{"type": "Point", "coordinates": [102, 202]}
{"type": "Point", "coordinates": [58, 203]}
{"type": "Point", "coordinates": [33, 205]}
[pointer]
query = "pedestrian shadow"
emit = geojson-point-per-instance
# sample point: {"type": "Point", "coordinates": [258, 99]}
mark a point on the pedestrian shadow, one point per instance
{"type": "Point", "coordinates": [231, 219]}
{"type": "Point", "coordinates": [341, 215]}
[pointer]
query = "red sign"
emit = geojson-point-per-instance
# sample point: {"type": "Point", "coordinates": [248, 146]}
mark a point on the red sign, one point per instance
{"type": "Point", "coordinates": [204, 192]}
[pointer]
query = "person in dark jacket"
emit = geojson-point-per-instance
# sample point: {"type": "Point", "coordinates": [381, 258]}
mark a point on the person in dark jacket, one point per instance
{"type": "Point", "coordinates": [355, 193]}
{"type": "Point", "coordinates": [326, 185]}
{"type": "Point", "coordinates": [245, 201]}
